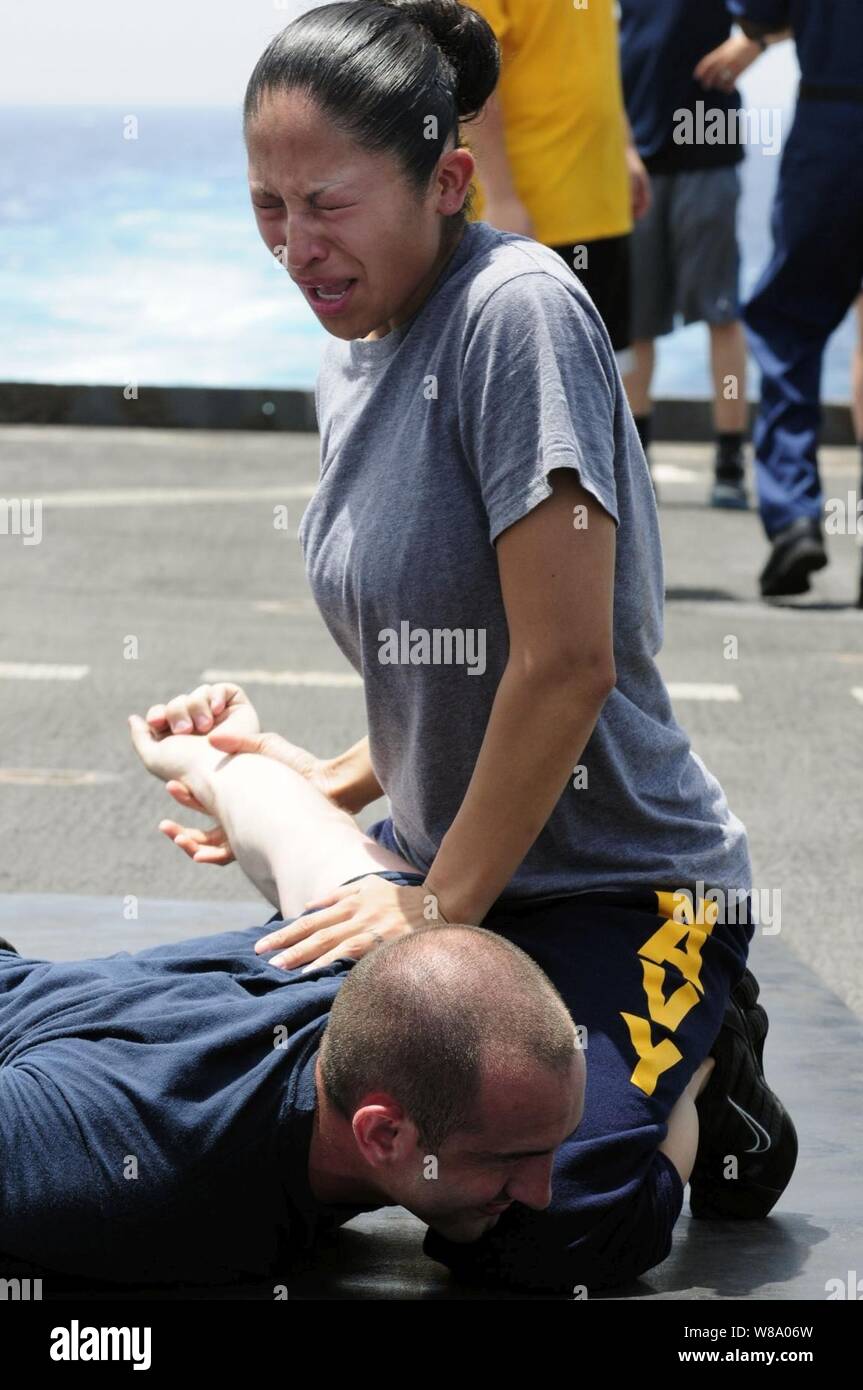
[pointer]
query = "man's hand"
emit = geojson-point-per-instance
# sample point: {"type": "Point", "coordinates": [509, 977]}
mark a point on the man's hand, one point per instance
{"type": "Point", "coordinates": [223, 706]}
{"type": "Point", "coordinates": [723, 65]}
{"type": "Point", "coordinates": [184, 756]}
{"type": "Point", "coordinates": [224, 717]}
{"type": "Point", "coordinates": [640, 194]}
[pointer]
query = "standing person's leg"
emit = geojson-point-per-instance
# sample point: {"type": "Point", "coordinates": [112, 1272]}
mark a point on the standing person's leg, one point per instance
{"type": "Point", "coordinates": [650, 993]}
{"type": "Point", "coordinates": [703, 234]}
{"type": "Point", "coordinates": [857, 378]}
{"type": "Point", "coordinates": [638, 383]}
{"type": "Point", "coordinates": [810, 282]}
{"type": "Point", "coordinates": [652, 303]}
{"type": "Point", "coordinates": [857, 414]}
{"type": "Point", "coordinates": [728, 366]}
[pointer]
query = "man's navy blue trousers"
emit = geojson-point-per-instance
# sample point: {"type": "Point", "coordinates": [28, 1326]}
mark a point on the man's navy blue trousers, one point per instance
{"type": "Point", "coordinates": [812, 279]}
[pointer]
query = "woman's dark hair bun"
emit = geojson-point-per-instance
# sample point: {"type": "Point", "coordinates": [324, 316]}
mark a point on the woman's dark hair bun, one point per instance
{"type": "Point", "coordinates": [467, 40]}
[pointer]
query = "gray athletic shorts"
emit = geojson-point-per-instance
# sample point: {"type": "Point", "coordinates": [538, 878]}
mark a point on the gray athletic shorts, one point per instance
{"type": "Point", "coordinates": [685, 258]}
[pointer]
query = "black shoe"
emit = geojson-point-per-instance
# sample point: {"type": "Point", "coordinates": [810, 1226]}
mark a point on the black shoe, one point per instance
{"type": "Point", "coordinates": [797, 550]}
{"type": "Point", "coordinates": [739, 1115]}
{"type": "Point", "coordinates": [7, 946]}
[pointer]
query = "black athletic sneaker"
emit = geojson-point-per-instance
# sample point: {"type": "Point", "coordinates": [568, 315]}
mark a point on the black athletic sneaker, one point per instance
{"type": "Point", "coordinates": [739, 1114]}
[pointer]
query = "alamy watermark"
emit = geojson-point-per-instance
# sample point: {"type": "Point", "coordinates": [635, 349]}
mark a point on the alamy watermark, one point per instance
{"type": "Point", "coordinates": [760, 125]}
{"type": "Point", "coordinates": [760, 906]}
{"type": "Point", "coordinates": [21, 516]}
{"type": "Point", "coordinates": [440, 646]}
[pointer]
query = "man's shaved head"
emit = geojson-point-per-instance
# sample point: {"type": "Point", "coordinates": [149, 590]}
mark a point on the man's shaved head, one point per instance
{"type": "Point", "coordinates": [430, 1017]}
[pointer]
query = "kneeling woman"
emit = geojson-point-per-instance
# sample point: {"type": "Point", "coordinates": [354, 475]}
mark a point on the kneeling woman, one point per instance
{"type": "Point", "coordinates": [483, 546]}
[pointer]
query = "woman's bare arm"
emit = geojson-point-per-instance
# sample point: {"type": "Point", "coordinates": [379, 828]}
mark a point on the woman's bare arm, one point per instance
{"type": "Point", "coordinates": [558, 587]}
{"type": "Point", "coordinates": [354, 782]}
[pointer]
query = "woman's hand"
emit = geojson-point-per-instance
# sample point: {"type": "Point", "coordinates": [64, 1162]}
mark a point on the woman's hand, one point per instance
{"type": "Point", "coordinates": [352, 920]}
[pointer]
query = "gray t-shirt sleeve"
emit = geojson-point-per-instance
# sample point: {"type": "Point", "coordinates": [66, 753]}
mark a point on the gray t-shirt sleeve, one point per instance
{"type": "Point", "coordinates": [537, 391]}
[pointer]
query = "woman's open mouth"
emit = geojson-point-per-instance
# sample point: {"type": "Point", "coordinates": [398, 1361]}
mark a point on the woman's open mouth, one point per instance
{"type": "Point", "coordinates": [329, 298]}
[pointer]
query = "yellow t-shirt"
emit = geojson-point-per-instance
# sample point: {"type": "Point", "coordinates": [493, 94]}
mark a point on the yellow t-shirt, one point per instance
{"type": "Point", "coordinates": [562, 104]}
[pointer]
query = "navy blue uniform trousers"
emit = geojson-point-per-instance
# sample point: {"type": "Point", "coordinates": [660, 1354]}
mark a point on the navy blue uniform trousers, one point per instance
{"type": "Point", "coordinates": [649, 992]}
{"type": "Point", "coordinates": [813, 277]}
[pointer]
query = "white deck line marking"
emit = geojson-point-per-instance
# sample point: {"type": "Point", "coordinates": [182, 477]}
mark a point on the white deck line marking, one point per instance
{"type": "Point", "coordinates": [41, 671]}
{"type": "Point", "coordinates": [54, 777]}
{"type": "Point", "coordinates": [694, 690]}
{"type": "Point", "coordinates": [170, 496]}
{"type": "Point", "coordinates": [258, 677]}
{"type": "Point", "coordinates": [673, 473]}
{"type": "Point", "coordinates": [857, 692]}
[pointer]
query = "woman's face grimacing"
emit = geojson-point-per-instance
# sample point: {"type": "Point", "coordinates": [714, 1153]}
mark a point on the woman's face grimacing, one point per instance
{"type": "Point", "coordinates": [332, 212]}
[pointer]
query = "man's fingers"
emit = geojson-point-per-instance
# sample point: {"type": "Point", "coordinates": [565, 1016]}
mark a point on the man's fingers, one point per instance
{"type": "Point", "coordinates": [212, 854]}
{"type": "Point", "coordinates": [142, 736]}
{"type": "Point", "coordinates": [180, 792]}
{"type": "Point", "coordinates": [204, 846]}
{"type": "Point", "coordinates": [227, 693]}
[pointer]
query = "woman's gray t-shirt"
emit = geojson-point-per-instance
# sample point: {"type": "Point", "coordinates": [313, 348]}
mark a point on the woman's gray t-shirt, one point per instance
{"type": "Point", "coordinates": [434, 439]}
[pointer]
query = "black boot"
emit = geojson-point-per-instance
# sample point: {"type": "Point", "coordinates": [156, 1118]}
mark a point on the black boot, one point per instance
{"type": "Point", "coordinates": [796, 551]}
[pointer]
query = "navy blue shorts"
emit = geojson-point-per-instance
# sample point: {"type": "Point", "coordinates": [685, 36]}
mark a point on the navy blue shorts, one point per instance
{"type": "Point", "coordinates": [649, 992]}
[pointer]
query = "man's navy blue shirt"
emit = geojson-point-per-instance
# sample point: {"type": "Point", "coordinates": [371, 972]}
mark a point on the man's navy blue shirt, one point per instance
{"type": "Point", "coordinates": [828, 35]}
{"type": "Point", "coordinates": [156, 1111]}
{"type": "Point", "coordinates": [660, 45]}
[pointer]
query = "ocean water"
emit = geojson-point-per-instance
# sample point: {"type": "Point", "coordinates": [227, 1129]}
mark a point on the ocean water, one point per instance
{"type": "Point", "coordinates": [138, 260]}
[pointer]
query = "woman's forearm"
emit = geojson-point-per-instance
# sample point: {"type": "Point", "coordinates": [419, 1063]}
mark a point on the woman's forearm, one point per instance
{"type": "Point", "coordinates": [355, 785]}
{"type": "Point", "coordinates": [536, 733]}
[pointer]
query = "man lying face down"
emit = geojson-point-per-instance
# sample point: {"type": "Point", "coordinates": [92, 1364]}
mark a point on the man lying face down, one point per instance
{"type": "Point", "coordinates": [190, 1113]}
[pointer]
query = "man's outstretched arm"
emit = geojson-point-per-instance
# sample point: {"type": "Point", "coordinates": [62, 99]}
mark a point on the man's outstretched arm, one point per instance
{"type": "Point", "coordinates": [287, 837]}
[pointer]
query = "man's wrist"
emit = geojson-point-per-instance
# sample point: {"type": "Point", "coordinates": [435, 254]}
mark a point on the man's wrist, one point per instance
{"type": "Point", "coordinates": [201, 779]}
